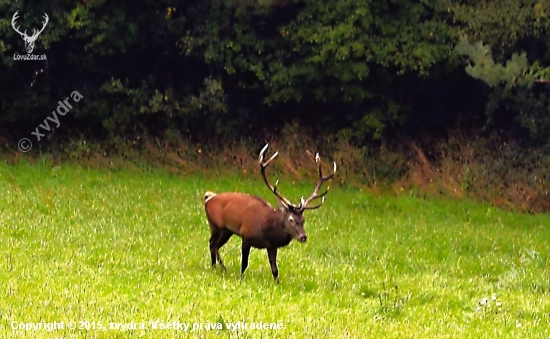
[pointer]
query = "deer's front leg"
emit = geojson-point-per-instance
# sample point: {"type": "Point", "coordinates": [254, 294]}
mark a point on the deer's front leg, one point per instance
{"type": "Point", "coordinates": [272, 254]}
{"type": "Point", "coordinates": [245, 253]}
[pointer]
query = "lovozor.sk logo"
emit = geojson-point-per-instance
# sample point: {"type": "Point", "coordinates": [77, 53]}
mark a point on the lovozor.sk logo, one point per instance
{"type": "Point", "coordinates": [29, 40]}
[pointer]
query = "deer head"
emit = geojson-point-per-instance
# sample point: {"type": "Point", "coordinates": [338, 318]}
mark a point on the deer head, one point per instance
{"type": "Point", "coordinates": [29, 40]}
{"type": "Point", "coordinates": [293, 219]}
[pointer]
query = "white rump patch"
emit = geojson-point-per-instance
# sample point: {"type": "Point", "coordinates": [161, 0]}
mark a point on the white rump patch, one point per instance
{"type": "Point", "coordinates": [208, 195]}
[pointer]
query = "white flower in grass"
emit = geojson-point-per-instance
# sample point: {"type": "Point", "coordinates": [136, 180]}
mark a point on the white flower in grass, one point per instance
{"type": "Point", "coordinates": [483, 301]}
{"type": "Point", "coordinates": [494, 297]}
{"type": "Point", "coordinates": [499, 304]}
{"type": "Point", "coordinates": [518, 325]}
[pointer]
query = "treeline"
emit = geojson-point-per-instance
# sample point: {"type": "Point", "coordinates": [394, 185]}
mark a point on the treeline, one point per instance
{"type": "Point", "coordinates": [225, 70]}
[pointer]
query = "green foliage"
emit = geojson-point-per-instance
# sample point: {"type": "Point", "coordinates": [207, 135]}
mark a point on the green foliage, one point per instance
{"type": "Point", "coordinates": [503, 24]}
{"type": "Point", "coordinates": [321, 52]}
{"type": "Point", "coordinates": [516, 72]}
{"type": "Point", "coordinates": [528, 108]}
{"type": "Point", "coordinates": [513, 83]}
{"type": "Point", "coordinates": [339, 53]}
{"type": "Point", "coordinates": [371, 69]}
{"type": "Point", "coordinates": [516, 32]}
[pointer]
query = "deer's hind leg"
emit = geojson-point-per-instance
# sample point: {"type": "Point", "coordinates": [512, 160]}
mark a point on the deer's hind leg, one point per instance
{"type": "Point", "coordinates": [219, 237]}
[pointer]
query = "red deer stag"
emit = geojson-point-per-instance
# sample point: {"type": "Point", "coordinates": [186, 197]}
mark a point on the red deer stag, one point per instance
{"type": "Point", "coordinates": [256, 222]}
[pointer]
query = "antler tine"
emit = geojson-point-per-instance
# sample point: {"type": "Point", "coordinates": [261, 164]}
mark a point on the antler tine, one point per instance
{"type": "Point", "coordinates": [316, 206]}
{"type": "Point", "coordinates": [43, 25]}
{"type": "Point", "coordinates": [318, 162]}
{"type": "Point", "coordinates": [263, 166]}
{"type": "Point", "coordinates": [261, 158]}
{"type": "Point", "coordinates": [322, 179]}
{"type": "Point", "coordinates": [262, 153]}
{"type": "Point", "coordinates": [13, 20]}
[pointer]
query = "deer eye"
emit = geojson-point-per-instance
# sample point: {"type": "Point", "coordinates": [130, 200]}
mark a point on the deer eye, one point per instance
{"type": "Point", "coordinates": [291, 219]}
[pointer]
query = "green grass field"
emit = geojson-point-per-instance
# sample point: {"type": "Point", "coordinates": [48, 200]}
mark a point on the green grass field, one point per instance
{"type": "Point", "coordinates": [99, 247]}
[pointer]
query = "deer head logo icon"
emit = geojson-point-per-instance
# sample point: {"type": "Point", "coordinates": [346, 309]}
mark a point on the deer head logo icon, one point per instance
{"type": "Point", "coordinates": [29, 40]}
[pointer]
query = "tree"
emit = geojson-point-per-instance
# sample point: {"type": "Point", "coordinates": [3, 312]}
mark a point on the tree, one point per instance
{"type": "Point", "coordinates": [513, 95]}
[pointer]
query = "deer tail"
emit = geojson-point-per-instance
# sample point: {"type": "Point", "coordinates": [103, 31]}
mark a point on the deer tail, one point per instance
{"type": "Point", "coordinates": [208, 195]}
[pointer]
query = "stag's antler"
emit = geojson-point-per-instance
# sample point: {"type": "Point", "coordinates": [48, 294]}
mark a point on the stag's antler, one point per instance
{"type": "Point", "coordinates": [304, 203]}
{"type": "Point", "coordinates": [273, 189]}
{"type": "Point", "coordinates": [46, 18]}
{"type": "Point", "coordinates": [13, 20]}
{"type": "Point", "coordinates": [35, 35]}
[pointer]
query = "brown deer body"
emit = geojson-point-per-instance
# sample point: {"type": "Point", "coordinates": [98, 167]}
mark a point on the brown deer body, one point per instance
{"type": "Point", "coordinates": [257, 222]}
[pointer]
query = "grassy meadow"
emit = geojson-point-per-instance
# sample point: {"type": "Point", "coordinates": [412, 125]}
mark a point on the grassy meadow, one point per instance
{"type": "Point", "coordinates": [112, 249]}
